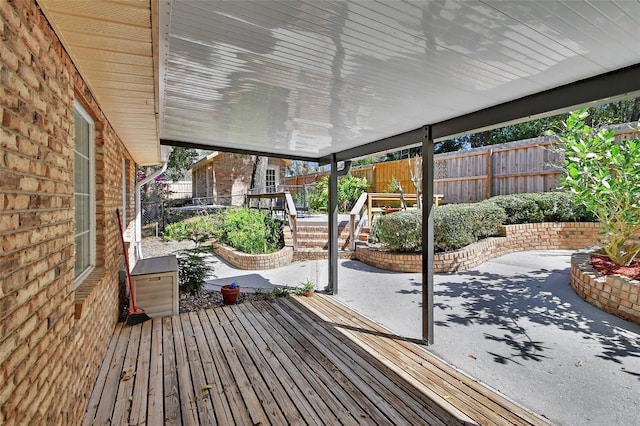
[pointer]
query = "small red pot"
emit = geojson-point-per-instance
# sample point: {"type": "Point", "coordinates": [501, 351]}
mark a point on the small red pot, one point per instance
{"type": "Point", "coordinates": [230, 295]}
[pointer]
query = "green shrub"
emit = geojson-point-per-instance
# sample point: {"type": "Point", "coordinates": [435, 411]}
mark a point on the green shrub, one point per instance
{"type": "Point", "coordinates": [559, 207]}
{"type": "Point", "coordinates": [198, 229]}
{"type": "Point", "coordinates": [454, 226]}
{"type": "Point", "coordinates": [541, 207]}
{"type": "Point", "coordinates": [192, 270]}
{"type": "Point", "coordinates": [486, 219]}
{"type": "Point", "coordinates": [604, 175]}
{"type": "Point", "coordinates": [251, 231]}
{"type": "Point", "coordinates": [349, 190]}
{"type": "Point", "coordinates": [458, 225]}
{"type": "Point", "coordinates": [400, 231]}
{"type": "Point", "coordinates": [518, 209]}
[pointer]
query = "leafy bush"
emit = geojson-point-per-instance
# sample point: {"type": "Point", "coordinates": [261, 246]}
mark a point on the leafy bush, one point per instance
{"type": "Point", "coordinates": [349, 190]}
{"type": "Point", "coordinates": [198, 229]}
{"type": "Point", "coordinates": [604, 175]}
{"type": "Point", "coordinates": [458, 225]}
{"type": "Point", "coordinates": [192, 270]}
{"type": "Point", "coordinates": [400, 231]}
{"type": "Point", "coordinates": [559, 207]}
{"type": "Point", "coordinates": [251, 231]}
{"type": "Point", "coordinates": [541, 207]}
{"type": "Point", "coordinates": [518, 209]}
{"type": "Point", "coordinates": [454, 226]}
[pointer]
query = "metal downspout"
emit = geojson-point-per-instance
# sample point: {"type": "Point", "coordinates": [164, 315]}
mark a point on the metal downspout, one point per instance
{"type": "Point", "coordinates": [139, 185]}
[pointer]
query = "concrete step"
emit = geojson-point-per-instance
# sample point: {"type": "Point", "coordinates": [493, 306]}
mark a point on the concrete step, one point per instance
{"type": "Point", "coordinates": [321, 228]}
{"type": "Point", "coordinates": [321, 245]}
{"type": "Point", "coordinates": [319, 237]}
{"type": "Point", "coordinates": [302, 255]}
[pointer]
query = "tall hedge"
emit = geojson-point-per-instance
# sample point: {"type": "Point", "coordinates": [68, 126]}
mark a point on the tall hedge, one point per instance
{"type": "Point", "coordinates": [457, 225]}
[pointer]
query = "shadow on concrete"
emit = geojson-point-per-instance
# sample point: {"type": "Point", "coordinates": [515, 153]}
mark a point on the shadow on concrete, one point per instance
{"type": "Point", "coordinates": [248, 283]}
{"type": "Point", "coordinates": [542, 297]}
{"type": "Point", "coordinates": [356, 265]}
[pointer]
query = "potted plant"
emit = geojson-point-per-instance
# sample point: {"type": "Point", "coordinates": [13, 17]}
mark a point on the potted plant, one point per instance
{"type": "Point", "coordinates": [308, 288]}
{"type": "Point", "coordinates": [230, 293]}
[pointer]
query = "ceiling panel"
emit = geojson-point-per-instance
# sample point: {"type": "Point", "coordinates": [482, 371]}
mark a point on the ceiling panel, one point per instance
{"type": "Point", "coordinates": [310, 78]}
{"type": "Point", "coordinates": [315, 77]}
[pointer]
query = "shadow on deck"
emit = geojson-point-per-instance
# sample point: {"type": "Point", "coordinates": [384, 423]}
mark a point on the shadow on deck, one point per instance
{"type": "Point", "coordinates": [291, 361]}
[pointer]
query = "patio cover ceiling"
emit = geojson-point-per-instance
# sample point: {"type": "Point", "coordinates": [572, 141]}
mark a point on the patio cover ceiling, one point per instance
{"type": "Point", "coordinates": [308, 79]}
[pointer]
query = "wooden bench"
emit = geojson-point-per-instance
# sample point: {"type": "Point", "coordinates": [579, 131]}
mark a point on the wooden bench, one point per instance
{"type": "Point", "coordinates": [381, 196]}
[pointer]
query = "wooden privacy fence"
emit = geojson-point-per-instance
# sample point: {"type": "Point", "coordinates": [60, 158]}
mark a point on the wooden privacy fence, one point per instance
{"type": "Point", "coordinates": [531, 165]}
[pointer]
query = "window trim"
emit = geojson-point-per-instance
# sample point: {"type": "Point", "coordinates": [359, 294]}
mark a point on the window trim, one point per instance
{"type": "Point", "coordinates": [271, 188]}
{"type": "Point", "coordinates": [77, 107]}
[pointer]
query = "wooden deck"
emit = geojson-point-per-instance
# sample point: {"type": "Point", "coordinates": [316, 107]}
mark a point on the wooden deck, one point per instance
{"type": "Point", "coordinates": [291, 361]}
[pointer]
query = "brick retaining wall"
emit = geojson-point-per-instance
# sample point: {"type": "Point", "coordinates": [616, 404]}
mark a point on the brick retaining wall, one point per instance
{"type": "Point", "coordinates": [529, 236]}
{"type": "Point", "coordinates": [52, 336]}
{"type": "Point", "coordinates": [615, 294]}
{"type": "Point", "coordinates": [246, 261]}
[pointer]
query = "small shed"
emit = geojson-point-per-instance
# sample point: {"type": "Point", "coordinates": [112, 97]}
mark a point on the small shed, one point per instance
{"type": "Point", "coordinates": [224, 178]}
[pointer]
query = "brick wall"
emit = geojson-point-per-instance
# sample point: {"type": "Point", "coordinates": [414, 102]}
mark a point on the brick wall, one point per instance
{"type": "Point", "coordinates": [529, 236]}
{"type": "Point", "coordinates": [615, 294]}
{"type": "Point", "coordinates": [52, 336]}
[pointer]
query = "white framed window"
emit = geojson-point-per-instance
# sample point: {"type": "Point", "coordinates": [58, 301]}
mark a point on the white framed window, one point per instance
{"type": "Point", "coordinates": [84, 189]}
{"type": "Point", "coordinates": [271, 180]}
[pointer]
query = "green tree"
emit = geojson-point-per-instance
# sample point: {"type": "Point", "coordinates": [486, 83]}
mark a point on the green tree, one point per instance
{"type": "Point", "coordinates": [605, 177]}
{"type": "Point", "coordinates": [624, 111]}
{"type": "Point", "coordinates": [180, 160]}
{"type": "Point", "coordinates": [349, 190]}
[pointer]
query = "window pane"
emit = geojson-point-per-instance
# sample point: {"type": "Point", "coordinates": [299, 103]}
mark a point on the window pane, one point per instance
{"type": "Point", "coordinates": [81, 134]}
{"type": "Point", "coordinates": [83, 170]}
{"type": "Point", "coordinates": [81, 174]}
{"type": "Point", "coordinates": [83, 208]}
{"type": "Point", "coordinates": [82, 254]}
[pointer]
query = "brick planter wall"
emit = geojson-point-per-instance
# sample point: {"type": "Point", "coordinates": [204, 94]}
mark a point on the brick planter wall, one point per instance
{"type": "Point", "coordinates": [529, 236]}
{"type": "Point", "coordinates": [246, 261]}
{"type": "Point", "coordinates": [615, 294]}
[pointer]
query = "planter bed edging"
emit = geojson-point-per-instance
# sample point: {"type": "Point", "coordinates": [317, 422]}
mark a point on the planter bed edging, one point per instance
{"type": "Point", "coordinates": [246, 261]}
{"type": "Point", "coordinates": [614, 293]}
{"type": "Point", "coordinates": [521, 237]}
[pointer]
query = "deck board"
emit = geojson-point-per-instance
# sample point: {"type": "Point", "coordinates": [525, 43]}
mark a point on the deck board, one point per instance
{"type": "Point", "coordinates": [290, 361]}
{"type": "Point", "coordinates": [171, 393]}
{"type": "Point", "coordinates": [154, 413]}
{"type": "Point", "coordinates": [292, 369]}
{"type": "Point", "coordinates": [141, 384]}
{"type": "Point", "coordinates": [426, 371]}
{"type": "Point", "coordinates": [94, 399]}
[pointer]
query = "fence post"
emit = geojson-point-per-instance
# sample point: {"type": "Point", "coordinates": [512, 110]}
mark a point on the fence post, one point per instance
{"type": "Point", "coordinates": [489, 174]}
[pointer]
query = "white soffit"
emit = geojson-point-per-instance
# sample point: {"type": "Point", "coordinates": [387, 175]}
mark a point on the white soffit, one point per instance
{"type": "Point", "coordinates": [311, 78]}
{"type": "Point", "coordinates": [111, 44]}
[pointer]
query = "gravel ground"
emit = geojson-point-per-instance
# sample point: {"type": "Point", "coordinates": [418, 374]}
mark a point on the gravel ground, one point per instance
{"type": "Point", "coordinates": [155, 246]}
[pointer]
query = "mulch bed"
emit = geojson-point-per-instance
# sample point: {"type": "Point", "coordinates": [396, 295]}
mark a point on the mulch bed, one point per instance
{"type": "Point", "coordinates": [605, 266]}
